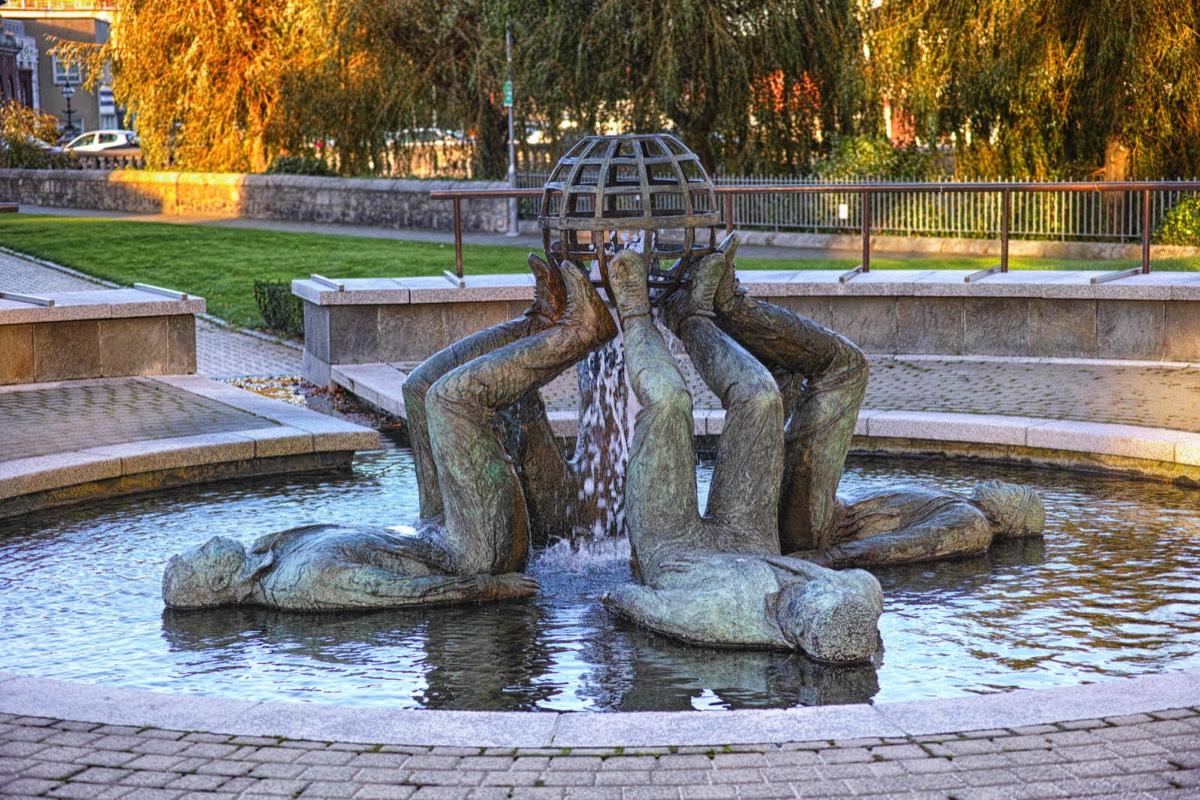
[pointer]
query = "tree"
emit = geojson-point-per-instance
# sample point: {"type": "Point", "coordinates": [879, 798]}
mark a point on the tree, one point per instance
{"type": "Point", "coordinates": [25, 136]}
{"type": "Point", "coordinates": [1044, 87]}
{"type": "Point", "coordinates": [746, 82]}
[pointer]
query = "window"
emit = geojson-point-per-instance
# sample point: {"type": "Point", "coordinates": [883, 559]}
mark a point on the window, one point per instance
{"type": "Point", "coordinates": [62, 73]}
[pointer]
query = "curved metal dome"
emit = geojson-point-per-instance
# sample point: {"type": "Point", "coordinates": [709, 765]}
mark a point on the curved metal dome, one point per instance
{"type": "Point", "coordinates": [646, 191]}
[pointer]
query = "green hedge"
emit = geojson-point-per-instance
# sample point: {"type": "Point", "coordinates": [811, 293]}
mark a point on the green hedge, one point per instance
{"type": "Point", "coordinates": [281, 310]}
{"type": "Point", "coordinates": [1181, 225]}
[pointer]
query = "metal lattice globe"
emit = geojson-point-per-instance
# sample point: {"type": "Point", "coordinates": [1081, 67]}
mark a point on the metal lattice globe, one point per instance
{"type": "Point", "coordinates": [642, 191]}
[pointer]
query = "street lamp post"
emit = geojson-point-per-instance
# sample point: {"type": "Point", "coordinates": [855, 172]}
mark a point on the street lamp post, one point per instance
{"type": "Point", "coordinates": [68, 91]}
{"type": "Point", "coordinates": [513, 226]}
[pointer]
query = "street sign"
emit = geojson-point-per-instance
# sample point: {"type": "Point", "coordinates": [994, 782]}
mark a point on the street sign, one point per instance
{"type": "Point", "coordinates": [508, 94]}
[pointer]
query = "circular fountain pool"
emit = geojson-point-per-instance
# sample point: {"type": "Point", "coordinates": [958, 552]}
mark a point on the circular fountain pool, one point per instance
{"type": "Point", "coordinates": [1113, 590]}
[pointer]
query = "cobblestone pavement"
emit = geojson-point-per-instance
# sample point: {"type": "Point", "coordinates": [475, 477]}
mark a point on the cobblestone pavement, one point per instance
{"type": "Point", "coordinates": [84, 414]}
{"type": "Point", "coordinates": [220, 352]}
{"type": "Point", "coordinates": [225, 353]}
{"type": "Point", "coordinates": [1140, 756]}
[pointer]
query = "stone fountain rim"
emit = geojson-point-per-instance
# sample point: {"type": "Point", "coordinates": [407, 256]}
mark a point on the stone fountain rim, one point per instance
{"type": "Point", "coordinates": [49, 698]}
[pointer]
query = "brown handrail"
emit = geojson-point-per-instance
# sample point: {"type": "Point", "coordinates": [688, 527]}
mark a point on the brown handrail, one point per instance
{"type": "Point", "coordinates": [868, 189]}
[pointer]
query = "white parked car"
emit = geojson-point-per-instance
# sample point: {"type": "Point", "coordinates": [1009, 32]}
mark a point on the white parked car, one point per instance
{"type": "Point", "coordinates": [96, 141]}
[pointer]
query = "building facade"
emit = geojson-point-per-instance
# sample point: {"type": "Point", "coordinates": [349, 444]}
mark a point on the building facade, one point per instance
{"type": "Point", "coordinates": [46, 82]}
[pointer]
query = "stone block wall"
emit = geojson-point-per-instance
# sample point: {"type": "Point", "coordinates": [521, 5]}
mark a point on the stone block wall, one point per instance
{"type": "Point", "coordinates": [291, 198]}
{"type": "Point", "coordinates": [97, 348]}
{"type": "Point", "coordinates": [97, 334]}
{"type": "Point", "coordinates": [1031, 315]}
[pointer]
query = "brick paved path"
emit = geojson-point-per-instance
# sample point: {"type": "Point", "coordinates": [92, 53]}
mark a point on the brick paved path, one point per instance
{"type": "Point", "coordinates": [85, 414]}
{"type": "Point", "coordinates": [1140, 756]}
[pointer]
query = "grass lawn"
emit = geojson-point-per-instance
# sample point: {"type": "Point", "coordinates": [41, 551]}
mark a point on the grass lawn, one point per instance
{"type": "Point", "coordinates": [221, 264]}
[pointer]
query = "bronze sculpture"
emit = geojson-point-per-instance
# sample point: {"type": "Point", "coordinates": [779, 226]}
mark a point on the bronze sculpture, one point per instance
{"type": "Point", "coordinates": [492, 479]}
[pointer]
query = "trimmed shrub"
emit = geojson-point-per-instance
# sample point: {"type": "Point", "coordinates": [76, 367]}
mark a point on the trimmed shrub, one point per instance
{"type": "Point", "coordinates": [281, 310]}
{"type": "Point", "coordinates": [1181, 225]}
{"type": "Point", "coordinates": [300, 165]}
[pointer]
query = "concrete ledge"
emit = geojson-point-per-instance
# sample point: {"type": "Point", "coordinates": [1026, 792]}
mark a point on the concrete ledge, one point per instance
{"type": "Point", "coordinates": [787, 283]}
{"type": "Point", "coordinates": [1023, 314]}
{"type": "Point", "coordinates": [100, 304]}
{"type": "Point", "coordinates": [311, 721]}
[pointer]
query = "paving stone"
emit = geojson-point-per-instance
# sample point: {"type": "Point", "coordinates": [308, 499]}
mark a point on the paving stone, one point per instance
{"type": "Point", "coordinates": [740, 775]}
{"type": "Point", "coordinates": [988, 777]}
{"type": "Point", "coordinates": [650, 793]}
{"type": "Point", "coordinates": [227, 768]}
{"type": "Point", "coordinates": [1080, 724]}
{"type": "Point", "coordinates": [276, 786]}
{"type": "Point", "coordinates": [380, 792]}
{"type": "Point", "coordinates": [573, 762]}
{"type": "Point", "coordinates": [432, 762]}
{"type": "Point", "coordinates": [197, 782]}
{"type": "Point", "coordinates": [161, 747]}
{"type": "Point", "coordinates": [326, 789]}
{"type": "Point", "coordinates": [19, 749]}
{"type": "Point", "coordinates": [439, 793]}
{"type": "Point", "coordinates": [839, 756]}
{"type": "Point", "coordinates": [273, 755]}
{"type": "Point", "coordinates": [329, 758]}
{"type": "Point", "coordinates": [512, 778]}
{"type": "Point", "coordinates": [898, 751]}
{"type": "Point", "coordinates": [149, 778]}
{"type": "Point", "coordinates": [373, 760]}
{"type": "Point", "coordinates": [72, 738]}
{"type": "Point", "coordinates": [50, 770]}
{"type": "Point", "coordinates": [569, 778]}
{"type": "Point", "coordinates": [109, 758]}
{"type": "Point", "coordinates": [154, 794]}
{"type": "Point", "coordinates": [99, 775]}
{"type": "Point", "coordinates": [85, 791]}
{"type": "Point", "coordinates": [327, 773]}
{"type": "Point", "coordinates": [623, 778]}
{"type": "Point", "coordinates": [202, 750]}
{"type": "Point", "coordinates": [30, 786]}
{"type": "Point", "coordinates": [275, 770]}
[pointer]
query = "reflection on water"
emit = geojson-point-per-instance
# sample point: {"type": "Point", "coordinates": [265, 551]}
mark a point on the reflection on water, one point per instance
{"type": "Point", "coordinates": [1114, 590]}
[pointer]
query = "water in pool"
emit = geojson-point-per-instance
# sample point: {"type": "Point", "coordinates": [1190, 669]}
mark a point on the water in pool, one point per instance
{"type": "Point", "coordinates": [1113, 590]}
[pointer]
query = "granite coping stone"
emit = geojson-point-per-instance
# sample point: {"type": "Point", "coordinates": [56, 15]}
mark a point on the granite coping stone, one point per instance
{"type": "Point", "coordinates": [41, 473]}
{"type": "Point", "coordinates": [1047, 284]}
{"type": "Point", "coordinates": [381, 384]}
{"type": "Point", "coordinates": [359, 291]}
{"type": "Point", "coordinates": [97, 304]}
{"type": "Point", "coordinates": [42, 697]}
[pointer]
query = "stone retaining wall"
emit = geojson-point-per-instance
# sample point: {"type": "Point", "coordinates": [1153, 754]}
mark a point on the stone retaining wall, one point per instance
{"type": "Point", "coordinates": [1022, 314]}
{"type": "Point", "coordinates": [289, 198]}
{"type": "Point", "coordinates": [101, 334]}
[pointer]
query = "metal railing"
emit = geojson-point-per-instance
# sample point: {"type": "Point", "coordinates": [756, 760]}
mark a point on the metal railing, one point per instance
{"type": "Point", "coordinates": [1080, 216]}
{"type": "Point", "coordinates": [868, 206]}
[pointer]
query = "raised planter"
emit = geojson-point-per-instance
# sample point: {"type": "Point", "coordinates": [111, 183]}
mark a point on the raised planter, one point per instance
{"type": "Point", "coordinates": [1152, 317]}
{"type": "Point", "coordinates": [96, 334]}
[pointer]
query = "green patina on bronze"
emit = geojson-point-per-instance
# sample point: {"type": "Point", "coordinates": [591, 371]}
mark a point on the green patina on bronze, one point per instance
{"type": "Point", "coordinates": [752, 571]}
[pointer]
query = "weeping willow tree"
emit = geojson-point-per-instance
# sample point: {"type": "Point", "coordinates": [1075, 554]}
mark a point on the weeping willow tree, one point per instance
{"type": "Point", "coordinates": [747, 83]}
{"type": "Point", "coordinates": [1041, 88]}
{"type": "Point", "coordinates": [204, 79]}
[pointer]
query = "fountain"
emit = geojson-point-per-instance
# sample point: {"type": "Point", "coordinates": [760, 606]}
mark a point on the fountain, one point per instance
{"type": "Point", "coordinates": [627, 216]}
